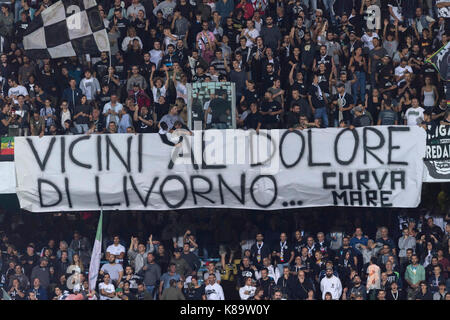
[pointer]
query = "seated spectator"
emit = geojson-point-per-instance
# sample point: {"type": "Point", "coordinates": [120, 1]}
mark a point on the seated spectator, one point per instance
{"type": "Point", "coordinates": [106, 288]}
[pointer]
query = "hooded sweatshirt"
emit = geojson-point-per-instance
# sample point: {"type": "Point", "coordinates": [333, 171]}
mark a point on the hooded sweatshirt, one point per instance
{"type": "Point", "coordinates": [332, 285]}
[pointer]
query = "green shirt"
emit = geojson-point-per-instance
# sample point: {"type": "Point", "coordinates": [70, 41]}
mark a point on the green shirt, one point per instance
{"type": "Point", "coordinates": [415, 274]}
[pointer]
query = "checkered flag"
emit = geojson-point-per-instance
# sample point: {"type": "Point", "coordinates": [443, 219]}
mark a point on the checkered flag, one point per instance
{"type": "Point", "coordinates": [65, 29]}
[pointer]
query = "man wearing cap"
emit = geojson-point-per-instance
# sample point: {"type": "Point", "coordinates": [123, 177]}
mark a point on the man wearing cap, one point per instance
{"type": "Point", "coordinates": [343, 102]}
{"type": "Point", "coordinates": [362, 119]}
{"type": "Point", "coordinates": [181, 266]}
{"type": "Point", "coordinates": [331, 283]}
{"type": "Point", "coordinates": [318, 101]}
{"type": "Point", "coordinates": [42, 273]}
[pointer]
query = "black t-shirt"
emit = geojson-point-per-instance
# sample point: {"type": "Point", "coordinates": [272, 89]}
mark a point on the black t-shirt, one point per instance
{"type": "Point", "coordinates": [3, 129]}
{"type": "Point", "coordinates": [259, 256]}
{"type": "Point", "coordinates": [292, 119]}
{"type": "Point", "coordinates": [192, 293]}
{"type": "Point", "coordinates": [101, 68]}
{"type": "Point", "coordinates": [246, 272]}
{"type": "Point", "coordinates": [362, 121]}
{"type": "Point", "coordinates": [99, 124]}
{"type": "Point", "coordinates": [326, 59]}
{"type": "Point", "coordinates": [251, 96]}
{"type": "Point", "coordinates": [161, 110]}
{"type": "Point", "coordinates": [219, 107]}
{"type": "Point", "coordinates": [437, 110]}
{"type": "Point", "coordinates": [85, 108]}
{"type": "Point", "coordinates": [301, 87]}
{"type": "Point", "coordinates": [267, 285]}
{"type": "Point", "coordinates": [273, 106]}
{"type": "Point", "coordinates": [252, 120]}
{"type": "Point", "coordinates": [103, 98]}
{"type": "Point", "coordinates": [346, 100]}
{"type": "Point", "coordinates": [297, 246]}
{"type": "Point", "coordinates": [28, 262]}
{"type": "Point", "coordinates": [141, 126]}
{"type": "Point", "coordinates": [317, 96]}
{"type": "Point", "coordinates": [287, 250]}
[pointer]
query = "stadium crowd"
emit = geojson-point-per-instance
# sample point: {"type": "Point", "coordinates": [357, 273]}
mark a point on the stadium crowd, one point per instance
{"type": "Point", "coordinates": [296, 64]}
{"type": "Point", "coordinates": [386, 254]}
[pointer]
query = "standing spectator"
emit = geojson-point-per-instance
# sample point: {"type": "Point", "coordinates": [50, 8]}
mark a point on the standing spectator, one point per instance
{"type": "Point", "coordinates": [332, 284]}
{"type": "Point", "coordinates": [151, 273]}
{"type": "Point", "coordinates": [414, 274]}
{"type": "Point", "coordinates": [42, 273]}
{"type": "Point", "coordinates": [111, 110]}
{"type": "Point", "coordinates": [283, 254]}
{"type": "Point", "coordinates": [167, 277]}
{"type": "Point", "coordinates": [213, 290]}
{"type": "Point", "coordinates": [259, 251]}
{"type": "Point", "coordinates": [81, 115]}
{"type": "Point", "coordinates": [404, 243]}
{"type": "Point", "coordinates": [113, 269]}
{"type": "Point", "coordinates": [6, 22]}
{"type": "Point", "coordinates": [89, 86]}
{"type": "Point", "coordinates": [414, 115]}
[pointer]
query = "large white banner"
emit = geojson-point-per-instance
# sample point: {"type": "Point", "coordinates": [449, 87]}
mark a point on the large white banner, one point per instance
{"type": "Point", "coordinates": [276, 169]}
{"type": "Point", "coordinates": [437, 157]}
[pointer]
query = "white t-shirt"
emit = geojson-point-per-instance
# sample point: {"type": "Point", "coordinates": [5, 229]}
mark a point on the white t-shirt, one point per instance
{"type": "Point", "coordinates": [400, 71]}
{"type": "Point", "coordinates": [254, 33]}
{"type": "Point", "coordinates": [214, 292]}
{"type": "Point", "coordinates": [181, 91]}
{"type": "Point", "coordinates": [246, 292]}
{"type": "Point", "coordinates": [115, 250]}
{"type": "Point", "coordinates": [17, 91]}
{"type": "Point", "coordinates": [396, 11]}
{"type": "Point", "coordinates": [108, 288]}
{"type": "Point", "coordinates": [156, 94]}
{"type": "Point", "coordinates": [367, 40]}
{"type": "Point", "coordinates": [110, 117]}
{"type": "Point", "coordinates": [414, 116]}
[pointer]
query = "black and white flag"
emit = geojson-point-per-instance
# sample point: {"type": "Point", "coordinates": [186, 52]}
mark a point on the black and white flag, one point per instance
{"type": "Point", "coordinates": [65, 29]}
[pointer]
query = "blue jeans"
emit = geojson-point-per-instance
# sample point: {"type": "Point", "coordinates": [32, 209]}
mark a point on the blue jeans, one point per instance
{"type": "Point", "coordinates": [82, 128]}
{"type": "Point", "coordinates": [17, 7]}
{"type": "Point", "coordinates": [321, 113]}
{"type": "Point", "coordinates": [359, 87]}
{"type": "Point", "coordinates": [328, 4]}
{"type": "Point", "coordinates": [152, 291]}
{"type": "Point", "coordinates": [311, 5]}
